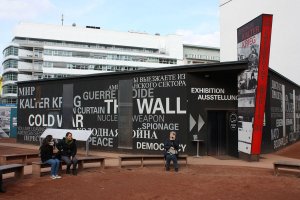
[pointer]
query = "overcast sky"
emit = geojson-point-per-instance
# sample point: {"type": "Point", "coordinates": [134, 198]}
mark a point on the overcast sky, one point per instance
{"type": "Point", "coordinates": [196, 20]}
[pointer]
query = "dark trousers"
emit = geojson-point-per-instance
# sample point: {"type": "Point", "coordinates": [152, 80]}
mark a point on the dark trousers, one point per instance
{"type": "Point", "coordinates": [172, 157]}
{"type": "Point", "coordinates": [69, 162]}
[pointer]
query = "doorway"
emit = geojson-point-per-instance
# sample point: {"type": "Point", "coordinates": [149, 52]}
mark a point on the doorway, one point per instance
{"type": "Point", "coordinates": [222, 133]}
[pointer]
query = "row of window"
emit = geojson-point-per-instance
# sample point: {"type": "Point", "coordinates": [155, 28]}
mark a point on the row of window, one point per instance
{"type": "Point", "coordinates": [204, 57]}
{"type": "Point", "coordinates": [10, 88]}
{"type": "Point", "coordinates": [11, 63]}
{"type": "Point", "coordinates": [9, 100]}
{"type": "Point", "coordinates": [47, 76]}
{"type": "Point", "coordinates": [10, 51]}
{"type": "Point", "coordinates": [81, 66]}
{"type": "Point", "coordinates": [14, 64]}
{"type": "Point", "coordinates": [10, 77]}
{"type": "Point", "coordinates": [106, 56]}
{"type": "Point", "coordinates": [85, 45]}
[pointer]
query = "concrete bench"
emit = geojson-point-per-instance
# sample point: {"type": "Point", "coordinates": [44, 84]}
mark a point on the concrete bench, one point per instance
{"type": "Point", "coordinates": [285, 164]}
{"type": "Point", "coordinates": [143, 158]}
{"type": "Point", "coordinates": [37, 166]}
{"type": "Point", "coordinates": [18, 169]}
{"type": "Point", "coordinates": [21, 156]}
{"type": "Point", "coordinates": [90, 159]}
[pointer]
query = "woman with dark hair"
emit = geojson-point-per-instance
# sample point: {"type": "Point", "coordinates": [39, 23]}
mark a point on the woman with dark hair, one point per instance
{"type": "Point", "coordinates": [47, 156]}
{"type": "Point", "coordinates": [67, 147]}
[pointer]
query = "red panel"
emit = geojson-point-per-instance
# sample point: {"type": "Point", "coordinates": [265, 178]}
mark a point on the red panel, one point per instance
{"type": "Point", "coordinates": [261, 84]}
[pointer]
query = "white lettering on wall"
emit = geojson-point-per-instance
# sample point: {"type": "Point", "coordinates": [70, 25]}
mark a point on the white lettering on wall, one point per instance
{"type": "Point", "coordinates": [155, 106]}
{"type": "Point", "coordinates": [213, 94]}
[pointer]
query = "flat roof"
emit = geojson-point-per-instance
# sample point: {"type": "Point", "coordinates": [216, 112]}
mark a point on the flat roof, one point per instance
{"type": "Point", "coordinates": [283, 77]}
{"type": "Point", "coordinates": [210, 67]}
{"type": "Point", "coordinates": [203, 47]}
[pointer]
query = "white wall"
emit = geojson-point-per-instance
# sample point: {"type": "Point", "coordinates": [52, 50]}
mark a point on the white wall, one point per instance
{"type": "Point", "coordinates": [172, 43]}
{"type": "Point", "coordinates": [284, 54]}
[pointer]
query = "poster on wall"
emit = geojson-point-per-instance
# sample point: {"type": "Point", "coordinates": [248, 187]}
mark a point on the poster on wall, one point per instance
{"type": "Point", "coordinates": [134, 112]}
{"type": "Point", "coordinates": [39, 107]}
{"type": "Point", "coordinates": [253, 45]}
{"type": "Point", "coordinates": [159, 106]}
{"type": "Point", "coordinates": [5, 114]}
{"type": "Point", "coordinates": [96, 104]}
{"type": "Point", "coordinates": [285, 113]}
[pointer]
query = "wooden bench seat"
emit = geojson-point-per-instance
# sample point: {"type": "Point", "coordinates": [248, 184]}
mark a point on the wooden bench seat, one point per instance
{"type": "Point", "coordinates": [143, 158]}
{"type": "Point", "coordinates": [37, 166]}
{"type": "Point", "coordinates": [18, 169]}
{"type": "Point", "coordinates": [90, 159]}
{"type": "Point", "coordinates": [285, 164]}
{"type": "Point", "coordinates": [20, 156]}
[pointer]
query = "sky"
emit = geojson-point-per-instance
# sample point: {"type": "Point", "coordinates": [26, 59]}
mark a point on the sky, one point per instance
{"type": "Point", "coordinates": [196, 20]}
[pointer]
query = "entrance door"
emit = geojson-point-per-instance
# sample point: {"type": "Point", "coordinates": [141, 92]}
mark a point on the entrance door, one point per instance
{"type": "Point", "coordinates": [222, 133]}
{"type": "Point", "coordinates": [217, 133]}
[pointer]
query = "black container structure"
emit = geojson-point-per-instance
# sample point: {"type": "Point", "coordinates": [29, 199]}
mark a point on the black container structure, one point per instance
{"type": "Point", "coordinates": [282, 113]}
{"type": "Point", "coordinates": [133, 112]}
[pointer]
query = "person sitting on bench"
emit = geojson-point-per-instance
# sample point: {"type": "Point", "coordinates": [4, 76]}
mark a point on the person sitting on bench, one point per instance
{"type": "Point", "coordinates": [47, 156]}
{"type": "Point", "coordinates": [171, 147]}
{"type": "Point", "coordinates": [67, 147]}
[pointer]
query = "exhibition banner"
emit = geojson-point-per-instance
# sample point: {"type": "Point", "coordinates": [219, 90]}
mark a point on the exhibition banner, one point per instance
{"type": "Point", "coordinates": [254, 39]}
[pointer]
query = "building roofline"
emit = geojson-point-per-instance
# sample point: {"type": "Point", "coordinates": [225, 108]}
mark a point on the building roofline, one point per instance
{"type": "Point", "coordinates": [283, 77]}
{"type": "Point", "coordinates": [210, 67]}
{"type": "Point", "coordinates": [203, 47]}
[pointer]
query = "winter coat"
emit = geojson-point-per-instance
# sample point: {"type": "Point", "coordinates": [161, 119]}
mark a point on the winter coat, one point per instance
{"type": "Point", "coordinates": [171, 143]}
{"type": "Point", "coordinates": [46, 152]}
{"type": "Point", "coordinates": [67, 149]}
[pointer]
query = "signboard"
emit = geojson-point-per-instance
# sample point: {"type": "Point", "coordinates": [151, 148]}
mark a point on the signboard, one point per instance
{"type": "Point", "coordinates": [233, 121]}
{"type": "Point", "coordinates": [131, 112]}
{"type": "Point", "coordinates": [5, 119]}
{"type": "Point", "coordinates": [253, 40]}
{"type": "Point", "coordinates": [284, 113]}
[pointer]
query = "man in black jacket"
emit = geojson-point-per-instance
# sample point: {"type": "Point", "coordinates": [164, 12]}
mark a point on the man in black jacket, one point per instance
{"type": "Point", "coordinates": [171, 151]}
{"type": "Point", "coordinates": [68, 149]}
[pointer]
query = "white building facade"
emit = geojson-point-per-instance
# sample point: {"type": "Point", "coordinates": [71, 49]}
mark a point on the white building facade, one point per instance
{"type": "Point", "coordinates": [40, 51]}
{"type": "Point", "coordinates": [195, 54]}
{"type": "Point", "coordinates": [51, 51]}
{"type": "Point", "coordinates": [285, 42]}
